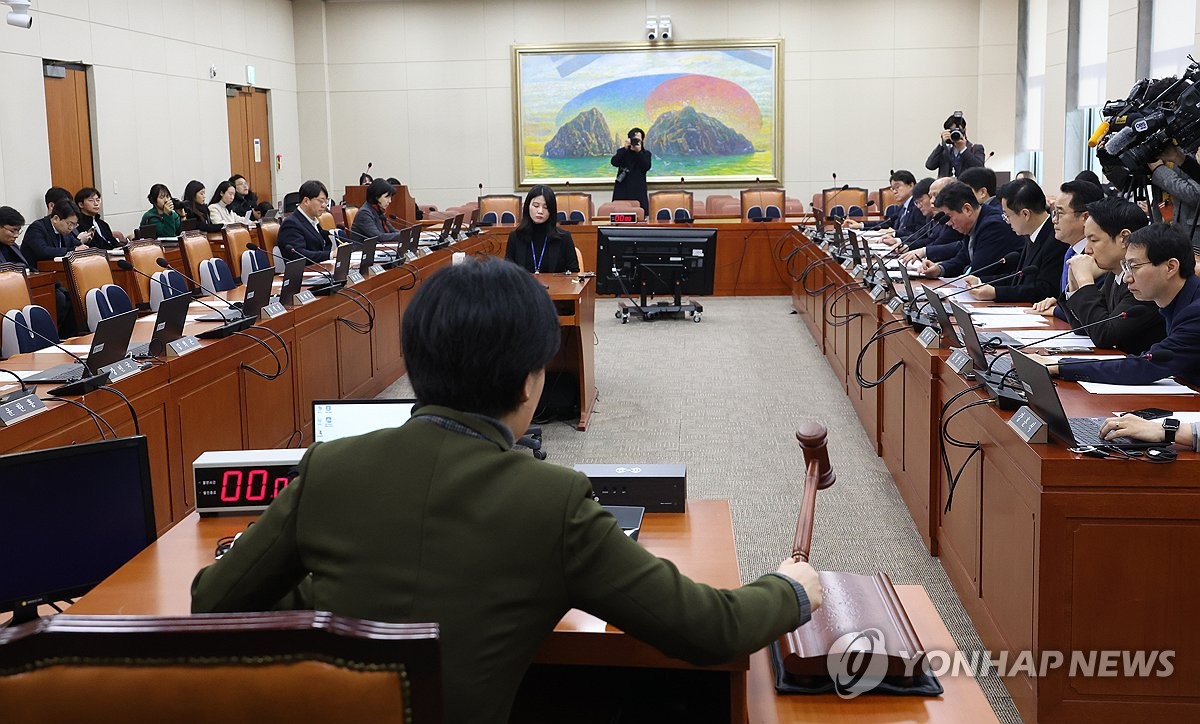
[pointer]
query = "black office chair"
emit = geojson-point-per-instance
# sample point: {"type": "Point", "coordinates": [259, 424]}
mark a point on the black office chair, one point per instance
{"type": "Point", "coordinates": [532, 439]}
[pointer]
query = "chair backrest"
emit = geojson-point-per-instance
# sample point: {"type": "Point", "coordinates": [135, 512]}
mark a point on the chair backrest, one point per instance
{"type": "Point", "coordinates": [885, 199]}
{"type": "Point", "coordinates": [14, 287]}
{"type": "Point", "coordinates": [144, 255]}
{"type": "Point", "coordinates": [795, 207]}
{"type": "Point", "coordinates": [575, 207]}
{"type": "Point", "coordinates": [268, 234]}
{"type": "Point", "coordinates": [15, 326]}
{"type": "Point", "coordinates": [327, 222]}
{"type": "Point", "coordinates": [350, 212]}
{"type": "Point", "coordinates": [500, 209]}
{"type": "Point", "coordinates": [268, 667]}
{"type": "Point", "coordinates": [579, 258]}
{"type": "Point", "coordinates": [671, 205]}
{"type": "Point", "coordinates": [167, 283]}
{"type": "Point", "coordinates": [195, 249]}
{"type": "Point", "coordinates": [278, 260]}
{"type": "Point", "coordinates": [235, 237]}
{"type": "Point", "coordinates": [291, 201]}
{"type": "Point", "coordinates": [104, 302]}
{"type": "Point", "coordinates": [86, 269]}
{"type": "Point", "coordinates": [713, 203]}
{"type": "Point", "coordinates": [763, 204]}
{"type": "Point", "coordinates": [253, 260]}
{"type": "Point", "coordinates": [215, 275]}
{"type": "Point", "coordinates": [844, 202]}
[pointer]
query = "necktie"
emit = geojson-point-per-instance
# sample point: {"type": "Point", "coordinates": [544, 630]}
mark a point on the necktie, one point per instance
{"type": "Point", "coordinates": [1066, 257]}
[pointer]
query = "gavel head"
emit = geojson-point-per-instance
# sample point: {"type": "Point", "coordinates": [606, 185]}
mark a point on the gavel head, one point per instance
{"type": "Point", "coordinates": [811, 436]}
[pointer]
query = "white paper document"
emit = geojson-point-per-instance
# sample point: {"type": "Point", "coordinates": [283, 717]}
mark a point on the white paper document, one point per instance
{"type": "Point", "coordinates": [1005, 321]}
{"type": "Point", "coordinates": [80, 349]}
{"type": "Point", "coordinates": [1012, 311]}
{"type": "Point", "coordinates": [1029, 336]}
{"type": "Point", "coordinates": [1162, 387]}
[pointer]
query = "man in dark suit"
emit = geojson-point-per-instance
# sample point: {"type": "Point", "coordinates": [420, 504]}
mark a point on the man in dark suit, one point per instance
{"type": "Point", "coordinates": [53, 235]}
{"type": "Point", "coordinates": [906, 218]}
{"type": "Point", "coordinates": [633, 161]}
{"type": "Point", "coordinates": [11, 222]}
{"type": "Point", "coordinates": [300, 234]}
{"type": "Point", "coordinates": [955, 153]}
{"type": "Point", "coordinates": [1024, 205]}
{"type": "Point", "coordinates": [989, 237]}
{"type": "Point", "coordinates": [1096, 289]}
{"type": "Point", "coordinates": [440, 520]}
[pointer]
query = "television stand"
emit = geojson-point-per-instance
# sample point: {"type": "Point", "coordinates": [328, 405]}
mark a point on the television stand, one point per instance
{"type": "Point", "coordinates": [648, 312]}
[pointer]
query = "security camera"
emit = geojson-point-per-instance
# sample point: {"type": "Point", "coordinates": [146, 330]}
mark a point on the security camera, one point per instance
{"type": "Point", "coordinates": [664, 27]}
{"type": "Point", "coordinates": [652, 28]}
{"type": "Point", "coordinates": [18, 15]}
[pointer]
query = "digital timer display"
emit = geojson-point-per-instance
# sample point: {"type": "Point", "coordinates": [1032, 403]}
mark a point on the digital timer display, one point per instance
{"type": "Point", "coordinates": [623, 218]}
{"type": "Point", "coordinates": [242, 481]}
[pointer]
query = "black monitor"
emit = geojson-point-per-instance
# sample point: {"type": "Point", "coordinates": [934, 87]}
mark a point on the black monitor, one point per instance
{"type": "Point", "coordinates": [69, 518]}
{"type": "Point", "coordinates": [655, 260]}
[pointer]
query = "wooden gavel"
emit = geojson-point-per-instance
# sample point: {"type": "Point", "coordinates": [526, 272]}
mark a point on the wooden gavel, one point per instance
{"type": "Point", "coordinates": [818, 475]}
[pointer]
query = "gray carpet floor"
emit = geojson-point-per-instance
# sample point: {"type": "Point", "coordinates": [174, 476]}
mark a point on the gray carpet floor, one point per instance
{"type": "Point", "coordinates": [725, 397]}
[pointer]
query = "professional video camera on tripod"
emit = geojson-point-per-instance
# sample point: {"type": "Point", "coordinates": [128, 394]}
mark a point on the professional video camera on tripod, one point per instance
{"type": "Point", "coordinates": [1157, 112]}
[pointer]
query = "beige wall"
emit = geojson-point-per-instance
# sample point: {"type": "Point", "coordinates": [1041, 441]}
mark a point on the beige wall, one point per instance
{"type": "Point", "coordinates": [157, 116]}
{"type": "Point", "coordinates": [423, 89]}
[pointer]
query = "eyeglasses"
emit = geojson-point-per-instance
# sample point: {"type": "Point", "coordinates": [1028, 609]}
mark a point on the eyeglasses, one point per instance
{"type": "Point", "coordinates": [1127, 268]}
{"type": "Point", "coordinates": [1056, 214]}
{"type": "Point", "coordinates": [14, 230]}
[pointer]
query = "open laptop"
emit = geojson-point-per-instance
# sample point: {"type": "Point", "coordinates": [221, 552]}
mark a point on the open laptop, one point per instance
{"type": "Point", "coordinates": [999, 365]}
{"type": "Point", "coordinates": [323, 285]}
{"type": "Point", "coordinates": [457, 227]}
{"type": "Point", "coordinates": [433, 238]}
{"type": "Point", "coordinates": [168, 326]}
{"type": "Point", "coordinates": [942, 320]}
{"type": "Point", "coordinates": [1042, 397]}
{"type": "Point", "coordinates": [257, 296]}
{"type": "Point", "coordinates": [293, 277]}
{"type": "Point", "coordinates": [110, 344]}
{"type": "Point", "coordinates": [334, 419]}
{"type": "Point", "coordinates": [366, 256]}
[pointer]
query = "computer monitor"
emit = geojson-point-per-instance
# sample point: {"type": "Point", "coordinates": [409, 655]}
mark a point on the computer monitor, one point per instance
{"type": "Point", "coordinates": [334, 419]}
{"type": "Point", "coordinates": [71, 517]}
{"type": "Point", "coordinates": [657, 260]}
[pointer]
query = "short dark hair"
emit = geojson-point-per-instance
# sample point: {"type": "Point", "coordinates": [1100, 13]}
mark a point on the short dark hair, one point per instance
{"type": "Point", "coordinates": [11, 217]}
{"type": "Point", "coordinates": [1115, 214]}
{"type": "Point", "coordinates": [54, 193]}
{"type": "Point", "coordinates": [1024, 193]}
{"type": "Point", "coordinates": [474, 332]}
{"type": "Point", "coordinates": [904, 177]}
{"type": "Point", "coordinates": [379, 187]}
{"type": "Point", "coordinates": [955, 196]}
{"type": "Point", "coordinates": [979, 177]}
{"type": "Point", "coordinates": [312, 189]}
{"type": "Point", "coordinates": [1089, 176]}
{"type": "Point", "coordinates": [220, 191]}
{"type": "Point", "coordinates": [634, 130]}
{"type": "Point", "coordinates": [234, 179]}
{"type": "Point", "coordinates": [1163, 242]}
{"type": "Point", "coordinates": [155, 191]}
{"type": "Point", "coordinates": [65, 209]}
{"type": "Point", "coordinates": [85, 193]}
{"type": "Point", "coordinates": [1082, 194]}
{"type": "Point", "coordinates": [955, 119]}
{"type": "Point", "coordinates": [922, 187]}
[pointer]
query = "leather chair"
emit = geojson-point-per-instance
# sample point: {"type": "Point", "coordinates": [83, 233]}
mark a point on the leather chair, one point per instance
{"type": "Point", "coordinates": [714, 202]}
{"type": "Point", "coordinates": [216, 275]}
{"type": "Point", "coordinates": [21, 315]}
{"type": "Point", "coordinates": [268, 235]}
{"type": "Point", "coordinates": [14, 287]}
{"type": "Point", "coordinates": [104, 302]}
{"type": "Point", "coordinates": [885, 201]}
{"type": "Point", "coordinates": [195, 249]}
{"type": "Point", "coordinates": [671, 206]}
{"type": "Point", "coordinates": [795, 207]}
{"type": "Point", "coordinates": [850, 201]}
{"type": "Point", "coordinates": [575, 208]}
{"type": "Point", "coordinates": [729, 207]}
{"type": "Point", "coordinates": [235, 237]}
{"type": "Point", "coordinates": [762, 204]}
{"type": "Point", "coordinates": [622, 206]}
{"type": "Point", "coordinates": [253, 260]}
{"type": "Point", "coordinates": [248, 668]}
{"type": "Point", "coordinates": [87, 270]}
{"type": "Point", "coordinates": [500, 209]}
{"type": "Point", "coordinates": [349, 212]}
{"type": "Point", "coordinates": [143, 254]}
{"type": "Point", "coordinates": [327, 222]}
{"type": "Point", "coordinates": [166, 283]}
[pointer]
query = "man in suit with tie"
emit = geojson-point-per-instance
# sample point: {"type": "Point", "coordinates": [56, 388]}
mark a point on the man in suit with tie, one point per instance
{"type": "Point", "coordinates": [1069, 214]}
{"type": "Point", "coordinates": [955, 153]}
{"type": "Point", "coordinates": [907, 218]}
{"type": "Point", "coordinates": [1024, 205]}
{"type": "Point", "coordinates": [989, 237]}
{"type": "Point", "coordinates": [1096, 288]}
{"type": "Point", "coordinates": [300, 234]}
{"type": "Point", "coordinates": [11, 222]}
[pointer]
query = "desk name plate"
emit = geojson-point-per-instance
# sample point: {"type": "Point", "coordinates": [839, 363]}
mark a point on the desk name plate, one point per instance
{"type": "Point", "coordinates": [121, 369]}
{"type": "Point", "coordinates": [878, 292]}
{"type": "Point", "coordinates": [183, 345]}
{"type": "Point", "coordinates": [303, 297]}
{"type": "Point", "coordinates": [848, 264]}
{"type": "Point", "coordinates": [858, 271]}
{"type": "Point", "coordinates": [1031, 428]}
{"type": "Point", "coordinates": [930, 338]}
{"type": "Point", "coordinates": [375, 269]}
{"type": "Point", "coordinates": [273, 310]}
{"type": "Point", "coordinates": [959, 361]}
{"type": "Point", "coordinates": [17, 409]}
{"type": "Point", "coordinates": [894, 304]}
{"type": "Point", "coordinates": [354, 277]}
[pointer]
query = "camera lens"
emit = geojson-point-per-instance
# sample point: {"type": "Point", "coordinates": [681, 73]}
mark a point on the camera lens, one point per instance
{"type": "Point", "coordinates": [956, 135]}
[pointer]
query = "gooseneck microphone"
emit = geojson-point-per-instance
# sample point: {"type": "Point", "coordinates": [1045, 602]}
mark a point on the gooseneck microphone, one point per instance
{"type": "Point", "coordinates": [90, 381]}
{"type": "Point", "coordinates": [1009, 258]}
{"type": "Point", "coordinates": [1027, 270]}
{"type": "Point", "coordinates": [1042, 342]}
{"type": "Point", "coordinates": [224, 330]}
{"type": "Point", "coordinates": [937, 220]}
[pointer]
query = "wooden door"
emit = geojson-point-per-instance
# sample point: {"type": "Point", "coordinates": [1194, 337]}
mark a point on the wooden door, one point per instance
{"type": "Point", "coordinates": [250, 139]}
{"type": "Point", "coordinates": [69, 128]}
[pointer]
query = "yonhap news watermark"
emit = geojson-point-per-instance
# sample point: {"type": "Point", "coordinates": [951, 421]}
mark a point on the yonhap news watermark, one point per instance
{"type": "Point", "coordinates": [858, 663]}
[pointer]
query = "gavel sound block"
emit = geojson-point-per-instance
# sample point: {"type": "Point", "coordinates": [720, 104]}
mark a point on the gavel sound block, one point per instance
{"type": "Point", "coordinates": [852, 602]}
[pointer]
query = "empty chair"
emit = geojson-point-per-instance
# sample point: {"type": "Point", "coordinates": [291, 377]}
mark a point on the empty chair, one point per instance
{"type": "Point", "coordinates": [671, 206]}
{"type": "Point", "coordinates": [794, 207]}
{"type": "Point", "coordinates": [15, 334]}
{"type": "Point", "coordinates": [715, 202]}
{"type": "Point", "coordinates": [216, 275]}
{"type": "Point", "coordinates": [165, 283]}
{"type": "Point", "coordinates": [349, 212]}
{"type": "Point", "coordinates": [278, 260]}
{"type": "Point", "coordinates": [253, 260]}
{"type": "Point", "coordinates": [574, 208]}
{"type": "Point", "coordinates": [235, 237]}
{"type": "Point", "coordinates": [143, 254]}
{"type": "Point", "coordinates": [499, 209]}
{"type": "Point", "coordinates": [87, 272]}
{"type": "Point", "coordinates": [291, 201]}
{"type": "Point", "coordinates": [762, 204]}
{"type": "Point", "coordinates": [849, 201]}
{"type": "Point", "coordinates": [195, 249]}
{"type": "Point", "coordinates": [615, 207]}
{"type": "Point", "coordinates": [327, 222]}
{"type": "Point", "coordinates": [105, 301]}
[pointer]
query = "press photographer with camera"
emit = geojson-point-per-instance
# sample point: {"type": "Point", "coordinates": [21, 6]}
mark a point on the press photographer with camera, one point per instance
{"type": "Point", "coordinates": [1175, 180]}
{"type": "Point", "coordinates": [633, 161]}
{"type": "Point", "coordinates": [955, 153]}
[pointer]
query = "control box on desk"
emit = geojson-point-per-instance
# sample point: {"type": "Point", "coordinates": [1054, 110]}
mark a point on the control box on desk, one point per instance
{"type": "Point", "coordinates": [659, 488]}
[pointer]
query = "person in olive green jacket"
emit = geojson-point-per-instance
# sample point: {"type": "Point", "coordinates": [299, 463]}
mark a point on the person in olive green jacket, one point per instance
{"type": "Point", "coordinates": [440, 520]}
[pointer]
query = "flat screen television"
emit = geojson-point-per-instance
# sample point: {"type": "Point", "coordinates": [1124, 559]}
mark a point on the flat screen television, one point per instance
{"type": "Point", "coordinates": [69, 518]}
{"type": "Point", "coordinates": [655, 260]}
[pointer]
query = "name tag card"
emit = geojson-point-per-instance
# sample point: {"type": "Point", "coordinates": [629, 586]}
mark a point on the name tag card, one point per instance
{"type": "Point", "coordinates": [960, 362]}
{"type": "Point", "coordinates": [824, 245]}
{"type": "Point", "coordinates": [354, 277]}
{"type": "Point", "coordinates": [376, 269]}
{"type": "Point", "coordinates": [182, 346]}
{"type": "Point", "coordinates": [1029, 426]}
{"type": "Point", "coordinates": [858, 271]}
{"type": "Point", "coordinates": [121, 369]}
{"type": "Point", "coordinates": [848, 264]}
{"type": "Point", "coordinates": [878, 292]}
{"type": "Point", "coordinates": [426, 251]}
{"type": "Point", "coordinates": [930, 338]}
{"type": "Point", "coordinates": [273, 310]}
{"type": "Point", "coordinates": [894, 304]}
{"type": "Point", "coordinates": [303, 297]}
{"type": "Point", "coordinates": [13, 411]}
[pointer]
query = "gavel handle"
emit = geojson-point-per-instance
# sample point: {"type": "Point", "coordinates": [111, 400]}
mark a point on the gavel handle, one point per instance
{"type": "Point", "coordinates": [808, 508]}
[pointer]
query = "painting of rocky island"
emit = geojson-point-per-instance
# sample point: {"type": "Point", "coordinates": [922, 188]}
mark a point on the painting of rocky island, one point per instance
{"type": "Point", "coordinates": [710, 113]}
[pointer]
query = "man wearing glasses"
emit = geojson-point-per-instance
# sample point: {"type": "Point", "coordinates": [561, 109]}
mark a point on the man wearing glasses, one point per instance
{"type": "Point", "coordinates": [1069, 214]}
{"type": "Point", "coordinates": [11, 222]}
{"type": "Point", "coordinates": [300, 234]}
{"type": "Point", "coordinates": [909, 218]}
{"type": "Point", "coordinates": [1158, 267]}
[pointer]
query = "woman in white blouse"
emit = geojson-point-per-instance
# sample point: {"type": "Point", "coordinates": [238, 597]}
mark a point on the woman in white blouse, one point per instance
{"type": "Point", "coordinates": [219, 212]}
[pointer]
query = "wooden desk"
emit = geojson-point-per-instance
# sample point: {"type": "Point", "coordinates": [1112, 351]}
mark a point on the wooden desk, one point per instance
{"type": "Point", "coordinates": [576, 304]}
{"type": "Point", "coordinates": [1040, 543]}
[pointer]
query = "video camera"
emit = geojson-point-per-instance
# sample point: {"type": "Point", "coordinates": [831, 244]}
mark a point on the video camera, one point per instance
{"type": "Point", "coordinates": [1138, 128]}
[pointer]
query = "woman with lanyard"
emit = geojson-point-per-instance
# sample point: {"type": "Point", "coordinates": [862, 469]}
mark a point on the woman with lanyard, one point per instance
{"type": "Point", "coordinates": [537, 243]}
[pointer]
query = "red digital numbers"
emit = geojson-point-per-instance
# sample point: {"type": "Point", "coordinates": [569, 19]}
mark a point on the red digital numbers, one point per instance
{"type": "Point", "coordinates": [257, 478]}
{"type": "Point", "coordinates": [256, 486]}
{"type": "Point", "coordinates": [280, 483]}
{"type": "Point", "coordinates": [234, 477]}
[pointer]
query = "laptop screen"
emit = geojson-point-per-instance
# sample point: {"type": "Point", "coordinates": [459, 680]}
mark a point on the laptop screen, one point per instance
{"type": "Point", "coordinates": [1042, 396]}
{"type": "Point", "coordinates": [335, 419]}
{"type": "Point", "coordinates": [970, 337]}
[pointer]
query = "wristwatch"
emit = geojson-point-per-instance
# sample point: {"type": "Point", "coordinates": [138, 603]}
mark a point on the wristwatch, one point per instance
{"type": "Point", "coordinates": [1170, 427]}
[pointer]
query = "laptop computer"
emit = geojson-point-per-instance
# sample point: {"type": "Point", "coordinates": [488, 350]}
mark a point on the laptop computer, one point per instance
{"type": "Point", "coordinates": [433, 238]}
{"type": "Point", "coordinates": [335, 419]}
{"type": "Point", "coordinates": [168, 326]}
{"type": "Point", "coordinates": [324, 285]}
{"type": "Point", "coordinates": [366, 255]}
{"type": "Point", "coordinates": [942, 320]}
{"type": "Point", "coordinates": [257, 296]}
{"type": "Point", "coordinates": [293, 276]}
{"type": "Point", "coordinates": [1042, 397]}
{"type": "Point", "coordinates": [992, 367]}
{"type": "Point", "coordinates": [110, 344]}
{"type": "Point", "coordinates": [457, 227]}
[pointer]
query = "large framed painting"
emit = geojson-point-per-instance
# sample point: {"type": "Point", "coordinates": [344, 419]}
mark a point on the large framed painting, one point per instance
{"type": "Point", "coordinates": [712, 111]}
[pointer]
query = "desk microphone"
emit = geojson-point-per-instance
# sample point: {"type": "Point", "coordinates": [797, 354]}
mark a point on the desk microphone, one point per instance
{"type": "Point", "coordinates": [10, 396]}
{"type": "Point", "coordinates": [1031, 269]}
{"type": "Point", "coordinates": [90, 381]}
{"type": "Point", "coordinates": [938, 219]}
{"type": "Point", "coordinates": [1010, 258]}
{"type": "Point", "coordinates": [224, 330]}
{"type": "Point", "coordinates": [1042, 342]}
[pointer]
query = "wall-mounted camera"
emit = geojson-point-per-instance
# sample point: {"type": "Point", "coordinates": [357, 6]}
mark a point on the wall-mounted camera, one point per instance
{"type": "Point", "coordinates": [665, 30]}
{"type": "Point", "coordinates": [18, 15]}
{"type": "Point", "coordinates": [651, 28]}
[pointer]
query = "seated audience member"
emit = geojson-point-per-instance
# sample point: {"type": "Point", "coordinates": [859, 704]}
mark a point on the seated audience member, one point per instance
{"type": "Point", "coordinates": [904, 221]}
{"type": "Point", "coordinates": [941, 238]}
{"type": "Point", "coordinates": [1096, 289]}
{"type": "Point", "coordinates": [162, 216]}
{"type": "Point", "coordinates": [538, 244]}
{"type": "Point", "coordinates": [195, 206]}
{"type": "Point", "coordinates": [982, 181]}
{"type": "Point", "coordinates": [1159, 267]}
{"type": "Point", "coordinates": [1024, 205]}
{"type": "Point", "coordinates": [989, 237]}
{"type": "Point", "coordinates": [955, 153]}
{"type": "Point", "coordinates": [1069, 214]}
{"type": "Point", "coordinates": [220, 211]}
{"type": "Point", "coordinates": [52, 235]}
{"type": "Point", "coordinates": [300, 234]}
{"type": "Point", "coordinates": [93, 230]}
{"type": "Point", "coordinates": [1185, 192]}
{"type": "Point", "coordinates": [245, 201]}
{"type": "Point", "coordinates": [55, 194]}
{"type": "Point", "coordinates": [11, 222]}
{"type": "Point", "coordinates": [371, 221]}
{"type": "Point", "coordinates": [360, 536]}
